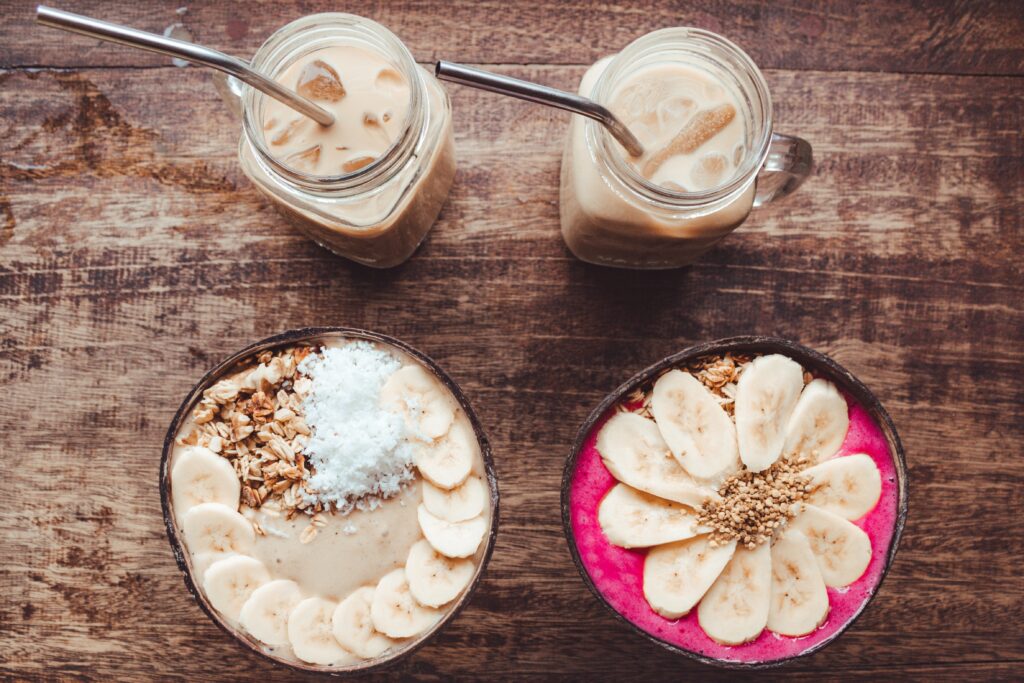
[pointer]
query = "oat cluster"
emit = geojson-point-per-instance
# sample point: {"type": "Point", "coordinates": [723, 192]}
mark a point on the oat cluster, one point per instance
{"type": "Point", "coordinates": [718, 373]}
{"type": "Point", "coordinates": [753, 505]}
{"type": "Point", "coordinates": [254, 418]}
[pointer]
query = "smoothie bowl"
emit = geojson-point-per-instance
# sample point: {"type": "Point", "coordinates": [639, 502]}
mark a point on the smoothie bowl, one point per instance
{"type": "Point", "coordinates": [330, 497]}
{"type": "Point", "coordinates": [738, 502]}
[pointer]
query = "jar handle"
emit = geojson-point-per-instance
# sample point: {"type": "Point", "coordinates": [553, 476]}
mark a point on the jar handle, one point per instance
{"type": "Point", "coordinates": [230, 90]}
{"type": "Point", "coordinates": [789, 163]}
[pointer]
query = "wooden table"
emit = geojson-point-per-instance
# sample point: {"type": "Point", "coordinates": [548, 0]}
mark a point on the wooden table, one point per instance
{"type": "Point", "coordinates": [134, 254]}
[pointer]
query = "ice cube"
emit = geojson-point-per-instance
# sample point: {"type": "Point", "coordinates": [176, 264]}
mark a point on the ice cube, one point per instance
{"type": "Point", "coordinates": [674, 112]}
{"type": "Point", "coordinates": [319, 81]}
{"type": "Point", "coordinates": [738, 154]}
{"type": "Point", "coordinates": [289, 131]}
{"type": "Point", "coordinates": [373, 127]}
{"type": "Point", "coordinates": [636, 105]}
{"type": "Point", "coordinates": [709, 171]}
{"type": "Point", "coordinates": [356, 163]}
{"type": "Point", "coordinates": [389, 78]}
{"type": "Point", "coordinates": [306, 160]}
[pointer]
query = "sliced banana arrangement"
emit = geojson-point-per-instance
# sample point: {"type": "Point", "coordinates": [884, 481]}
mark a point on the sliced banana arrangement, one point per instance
{"type": "Point", "coordinates": [269, 497]}
{"type": "Point", "coordinates": [732, 483]}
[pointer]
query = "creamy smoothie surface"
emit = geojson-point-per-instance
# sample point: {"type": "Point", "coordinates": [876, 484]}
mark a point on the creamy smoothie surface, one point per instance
{"type": "Point", "coordinates": [333, 501]}
{"type": "Point", "coordinates": [368, 96]}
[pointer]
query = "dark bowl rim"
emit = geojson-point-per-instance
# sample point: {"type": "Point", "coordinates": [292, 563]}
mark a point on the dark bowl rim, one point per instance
{"type": "Point", "coordinates": [812, 360]}
{"type": "Point", "coordinates": [295, 336]}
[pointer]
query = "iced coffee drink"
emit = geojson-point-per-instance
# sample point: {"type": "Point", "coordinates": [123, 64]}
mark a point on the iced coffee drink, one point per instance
{"type": "Point", "coordinates": [701, 110]}
{"type": "Point", "coordinates": [370, 186]}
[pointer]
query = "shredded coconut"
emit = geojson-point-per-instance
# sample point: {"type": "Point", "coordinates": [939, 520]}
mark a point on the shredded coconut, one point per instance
{"type": "Point", "coordinates": [359, 451]}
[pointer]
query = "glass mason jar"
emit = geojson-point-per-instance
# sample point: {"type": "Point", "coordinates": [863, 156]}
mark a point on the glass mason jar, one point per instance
{"type": "Point", "coordinates": [379, 214]}
{"type": "Point", "coordinates": [612, 216]}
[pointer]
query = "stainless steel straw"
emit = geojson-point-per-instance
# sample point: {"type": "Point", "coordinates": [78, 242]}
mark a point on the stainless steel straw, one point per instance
{"type": "Point", "coordinates": [541, 94]}
{"type": "Point", "coordinates": [115, 33]}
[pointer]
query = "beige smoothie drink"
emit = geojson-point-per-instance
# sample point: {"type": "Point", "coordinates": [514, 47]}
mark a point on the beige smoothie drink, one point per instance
{"type": "Point", "coordinates": [695, 138]}
{"type": "Point", "coordinates": [370, 186]}
{"type": "Point", "coordinates": [332, 500]}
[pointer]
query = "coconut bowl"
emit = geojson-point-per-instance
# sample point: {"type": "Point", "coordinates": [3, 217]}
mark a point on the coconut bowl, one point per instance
{"type": "Point", "coordinates": [610, 572]}
{"type": "Point", "coordinates": [181, 555]}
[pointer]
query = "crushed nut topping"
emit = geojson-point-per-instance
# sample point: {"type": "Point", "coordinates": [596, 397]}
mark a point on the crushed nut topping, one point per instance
{"type": "Point", "coordinates": [718, 373]}
{"type": "Point", "coordinates": [254, 419]}
{"type": "Point", "coordinates": [754, 504]}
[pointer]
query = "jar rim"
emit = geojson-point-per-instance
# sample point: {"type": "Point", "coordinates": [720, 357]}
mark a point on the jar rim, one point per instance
{"type": "Point", "coordinates": [673, 38]}
{"type": "Point", "coordinates": [286, 45]}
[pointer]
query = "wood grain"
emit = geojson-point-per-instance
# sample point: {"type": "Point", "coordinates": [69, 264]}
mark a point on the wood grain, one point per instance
{"type": "Point", "coordinates": [941, 36]}
{"type": "Point", "coordinates": [134, 254]}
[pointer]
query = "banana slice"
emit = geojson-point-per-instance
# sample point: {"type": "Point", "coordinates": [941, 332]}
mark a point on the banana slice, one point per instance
{"type": "Point", "coordinates": [677, 575]}
{"type": "Point", "coordinates": [698, 431]}
{"type": "Point", "coordinates": [415, 394]}
{"type": "Point", "coordinates": [842, 548]}
{"type": "Point", "coordinates": [202, 562]}
{"type": "Point", "coordinates": [849, 486]}
{"type": "Point", "coordinates": [353, 627]}
{"type": "Point", "coordinates": [311, 633]}
{"type": "Point", "coordinates": [448, 463]}
{"type": "Point", "coordinates": [265, 613]}
{"type": "Point", "coordinates": [799, 602]}
{"type": "Point", "coordinates": [766, 394]}
{"type": "Point", "coordinates": [228, 583]}
{"type": "Point", "coordinates": [463, 502]}
{"type": "Point", "coordinates": [395, 612]}
{"type": "Point", "coordinates": [735, 608]}
{"type": "Point", "coordinates": [201, 476]}
{"type": "Point", "coordinates": [452, 539]}
{"type": "Point", "coordinates": [212, 527]}
{"type": "Point", "coordinates": [819, 422]}
{"type": "Point", "coordinates": [633, 519]}
{"type": "Point", "coordinates": [635, 453]}
{"type": "Point", "coordinates": [434, 579]}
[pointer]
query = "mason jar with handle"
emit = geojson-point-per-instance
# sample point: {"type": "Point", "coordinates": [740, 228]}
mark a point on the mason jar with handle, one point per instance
{"type": "Point", "coordinates": [612, 215]}
{"type": "Point", "coordinates": [376, 214]}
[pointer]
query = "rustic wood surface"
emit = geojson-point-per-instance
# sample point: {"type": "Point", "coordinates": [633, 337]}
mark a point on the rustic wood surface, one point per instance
{"type": "Point", "coordinates": [134, 254]}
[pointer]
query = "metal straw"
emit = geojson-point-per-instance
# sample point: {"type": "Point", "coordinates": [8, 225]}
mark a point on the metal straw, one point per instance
{"type": "Point", "coordinates": [115, 33]}
{"type": "Point", "coordinates": [541, 94]}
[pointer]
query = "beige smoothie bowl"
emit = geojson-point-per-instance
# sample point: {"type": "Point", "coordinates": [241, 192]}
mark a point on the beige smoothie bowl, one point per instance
{"type": "Point", "coordinates": [330, 498]}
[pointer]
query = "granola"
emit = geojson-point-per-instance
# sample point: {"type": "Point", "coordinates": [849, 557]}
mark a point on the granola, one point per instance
{"type": "Point", "coordinates": [254, 418]}
{"type": "Point", "coordinates": [754, 504]}
{"type": "Point", "coordinates": [718, 373]}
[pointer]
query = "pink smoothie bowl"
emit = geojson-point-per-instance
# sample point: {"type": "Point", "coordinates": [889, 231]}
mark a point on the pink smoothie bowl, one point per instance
{"type": "Point", "coordinates": [615, 575]}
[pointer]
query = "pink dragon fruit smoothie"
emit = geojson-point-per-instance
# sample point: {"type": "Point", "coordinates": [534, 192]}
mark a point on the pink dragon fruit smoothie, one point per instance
{"type": "Point", "coordinates": [617, 573]}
